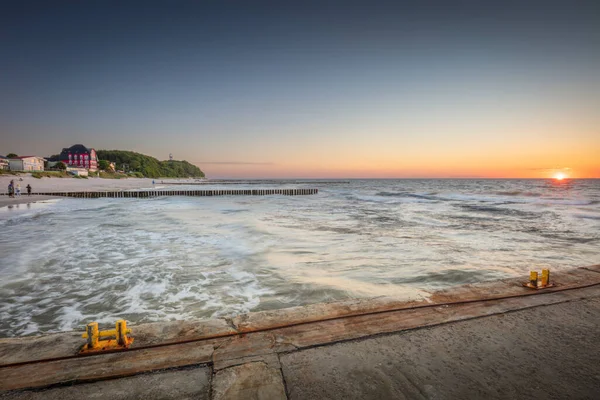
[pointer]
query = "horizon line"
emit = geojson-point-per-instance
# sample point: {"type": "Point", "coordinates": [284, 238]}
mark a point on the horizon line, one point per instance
{"type": "Point", "coordinates": [407, 178]}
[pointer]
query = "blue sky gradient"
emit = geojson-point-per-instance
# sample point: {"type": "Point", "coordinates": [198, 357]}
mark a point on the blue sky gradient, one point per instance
{"type": "Point", "coordinates": [309, 89]}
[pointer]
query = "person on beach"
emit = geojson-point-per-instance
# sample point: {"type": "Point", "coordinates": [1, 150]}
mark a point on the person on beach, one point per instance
{"type": "Point", "coordinates": [18, 191]}
{"type": "Point", "coordinates": [28, 187]}
{"type": "Point", "coordinates": [11, 189]}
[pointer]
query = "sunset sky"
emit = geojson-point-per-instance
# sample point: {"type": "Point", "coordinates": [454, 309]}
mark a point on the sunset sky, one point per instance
{"type": "Point", "coordinates": [310, 89]}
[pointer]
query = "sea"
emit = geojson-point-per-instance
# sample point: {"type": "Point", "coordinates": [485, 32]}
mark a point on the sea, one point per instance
{"type": "Point", "coordinates": [64, 263]}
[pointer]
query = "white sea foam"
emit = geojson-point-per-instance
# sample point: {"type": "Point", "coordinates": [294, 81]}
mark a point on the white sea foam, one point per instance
{"type": "Point", "coordinates": [391, 200]}
{"type": "Point", "coordinates": [79, 260]}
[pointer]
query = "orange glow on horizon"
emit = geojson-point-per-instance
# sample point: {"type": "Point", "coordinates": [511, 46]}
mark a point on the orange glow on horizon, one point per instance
{"type": "Point", "coordinates": [560, 176]}
{"type": "Point", "coordinates": [392, 170]}
{"type": "Point", "coordinates": [522, 151]}
{"type": "Point", "coordinates": [405, 159]}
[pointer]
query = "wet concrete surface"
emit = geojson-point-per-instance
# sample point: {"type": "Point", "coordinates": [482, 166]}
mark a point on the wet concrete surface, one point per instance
{"type": "Point", "coordinates": [548, 352]}
{"type": "Point", "coordinates": [529, 346]}
{"type": "Point", "coordinates": [189, 383]}
{"type": "Point", "coordinates": [253, 380]}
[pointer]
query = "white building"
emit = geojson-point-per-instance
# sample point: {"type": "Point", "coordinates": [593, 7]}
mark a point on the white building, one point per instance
{"type": "Point", "coordinates": [26, 163]}
{"type": "Point", "coordinates": [77, 171]}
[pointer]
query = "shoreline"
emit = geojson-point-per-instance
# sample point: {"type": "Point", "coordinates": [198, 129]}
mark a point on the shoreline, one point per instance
{"type": "Point", "coordinates": [9, 202]}
{"type": "Point", "coordinates": [46, 185]}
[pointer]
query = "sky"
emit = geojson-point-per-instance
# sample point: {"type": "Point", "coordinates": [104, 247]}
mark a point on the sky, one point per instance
{"type": "Point", "coordinates": [303, 89]}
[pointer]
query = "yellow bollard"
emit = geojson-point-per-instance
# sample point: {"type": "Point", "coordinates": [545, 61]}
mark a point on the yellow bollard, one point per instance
{"type": "Point", "coordinates": [533, 278]}
{"type": "Point", "coordinates": [92, 335]}
{"type": "Point", "coordinates": [122, 331]}
{"type": "Point", "coordinates": [543, 284]}
{"type": "Point", "coordinates": [117, 338]}
{"type": "Point", "coordinates": [545, 277]}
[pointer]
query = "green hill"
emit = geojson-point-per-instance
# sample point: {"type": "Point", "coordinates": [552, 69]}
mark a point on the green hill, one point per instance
{"type": "Point", "coordinates": [148, 166]}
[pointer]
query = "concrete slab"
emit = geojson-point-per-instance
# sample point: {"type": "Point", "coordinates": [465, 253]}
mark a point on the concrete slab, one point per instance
{"type": "Point", "coordinates": [315, 312]}
{"type": "Point", "coordinates": [269, 342]}
{"type": "Point", "coordinates": [250, 381]}
{"type": "Point", "coordinates": [595, 268]}
{"type": "Point", "coordinates": [252, 344]}
{"type": "Point", "coordinates": [544, 352]}
{"type": "Point", "coordinates": [22, 349]}
{"type": "Point", "coordinates": [105, 366]}
{"type": "Point", "coordinates": [332, 331]}
{"type": "Point", "coordinates": [272, 360]}
{"type": "Point", "coordinates": [161, 332]}
{"type": "Point", "coordinates": [177, 384]}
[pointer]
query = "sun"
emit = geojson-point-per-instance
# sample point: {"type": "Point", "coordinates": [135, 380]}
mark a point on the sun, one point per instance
{"type": "Point", "coordinates": [560, 176]}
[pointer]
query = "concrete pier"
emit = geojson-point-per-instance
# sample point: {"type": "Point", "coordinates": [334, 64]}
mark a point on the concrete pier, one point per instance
{"type": "Point", "coordinates": [143, 194]}
{"type": "Point", "coordinates": [490, 340]}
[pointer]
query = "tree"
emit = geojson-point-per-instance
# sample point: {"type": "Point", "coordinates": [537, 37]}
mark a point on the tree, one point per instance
{"type": "Point", "coordinates": [60, 165]}
{"type": "Point", "coordinates": [11, 155]}
{"type": "Point", "coordinates": [135, 165]}
{"type": "Point", "coordinates": [150, 167]}
{"type": "Point", "coordinates": [104, 165]}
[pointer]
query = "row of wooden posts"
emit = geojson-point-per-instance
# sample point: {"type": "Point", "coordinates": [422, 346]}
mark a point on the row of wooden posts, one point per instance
{"type": "Point", "coordinates": [157, 193]}
{"type": "Point", "coordinates": [228, 182]}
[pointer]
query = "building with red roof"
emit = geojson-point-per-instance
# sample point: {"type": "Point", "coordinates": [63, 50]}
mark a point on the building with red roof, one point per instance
{"type": "Point", "coordinates": [79, 156]}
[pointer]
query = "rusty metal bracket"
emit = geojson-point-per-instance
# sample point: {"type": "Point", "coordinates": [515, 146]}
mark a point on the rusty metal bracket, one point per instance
{"type": "Point", "coordinates": [118, 338]}
{"type": "Point", "coordinates": [534, 283]}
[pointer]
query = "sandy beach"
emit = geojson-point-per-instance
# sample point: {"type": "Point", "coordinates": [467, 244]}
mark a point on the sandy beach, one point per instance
{"type": "Point", "coordinates": [63, 185]}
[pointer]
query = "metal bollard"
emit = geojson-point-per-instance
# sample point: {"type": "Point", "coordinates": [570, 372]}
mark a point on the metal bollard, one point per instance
{"type": "Point", "coordinates": [93, 335]}
{"type": "Point", "coordinates": [118, 338]}
{"type": "Point", "coordinates": [121, 328]}
{"type": "Point", "coordinates": [533, 278]}
{"type": "Point", "coordinates": [545, 277]}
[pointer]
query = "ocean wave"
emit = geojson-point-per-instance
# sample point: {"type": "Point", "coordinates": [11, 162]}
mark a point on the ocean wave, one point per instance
{"type": "Point", "coordinates": [429, 197]}
{"type": "Point", "coordinates": [500, 197]}
{"type": "Point", "coordinates": [587, 216]}
{"type": "Point", "coordinates": [500, 211]}
{"type": "Point", "coordinates": [515, 199]}
{"type": "Point", "coordinates": [574, 202]}
{"type": "Point", "coordinates": [394, 198]}
{"type": "Point", "coordinates": [517, 193]}
{"type": "Point", "coordinates": [184, 258]}
{"type": "Point", "coordinates": [569, 237]}
{"type": "Point", "coordinates": [446, 277]}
